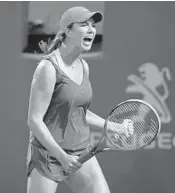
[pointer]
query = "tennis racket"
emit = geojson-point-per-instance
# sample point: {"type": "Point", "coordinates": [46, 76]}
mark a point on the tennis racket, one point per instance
{"type": "Point", "coordinates": [146, 127]}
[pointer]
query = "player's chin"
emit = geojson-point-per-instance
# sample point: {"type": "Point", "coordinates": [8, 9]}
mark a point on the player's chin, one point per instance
{"type": "Point", "coordinates": [86, 47]}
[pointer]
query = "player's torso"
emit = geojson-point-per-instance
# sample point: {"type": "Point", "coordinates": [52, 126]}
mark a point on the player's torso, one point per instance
{"type": "Point", "coordinates": [66, 114]}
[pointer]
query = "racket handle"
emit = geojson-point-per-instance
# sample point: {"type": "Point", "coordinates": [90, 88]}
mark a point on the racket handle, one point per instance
{"type": "Point", "coordinates": [86, 156]}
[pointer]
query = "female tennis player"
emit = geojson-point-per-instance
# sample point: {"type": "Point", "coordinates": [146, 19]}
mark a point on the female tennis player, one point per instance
{"type": "Point", "coordinates": [58, 115]}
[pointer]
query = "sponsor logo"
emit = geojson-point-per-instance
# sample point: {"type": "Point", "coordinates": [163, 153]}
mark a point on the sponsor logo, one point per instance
{"type": "Point", "coordinates": [151, 85]}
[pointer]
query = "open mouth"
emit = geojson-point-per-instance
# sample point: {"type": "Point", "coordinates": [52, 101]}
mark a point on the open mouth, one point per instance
{"type": "Point", "coordinates": [87, 40]}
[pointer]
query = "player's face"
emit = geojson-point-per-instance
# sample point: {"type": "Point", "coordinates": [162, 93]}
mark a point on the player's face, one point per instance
{"type": "Point", "coordinates": [82, 35]}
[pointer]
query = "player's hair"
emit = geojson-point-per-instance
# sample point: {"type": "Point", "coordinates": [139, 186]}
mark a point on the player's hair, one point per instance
{"type": "Point", "coordinates": [50, 46]}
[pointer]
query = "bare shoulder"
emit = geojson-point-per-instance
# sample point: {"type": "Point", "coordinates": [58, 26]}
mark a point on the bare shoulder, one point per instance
{"type": "Point", "coordinates": [85, 65]}
{"type": "Point", "coordinates": [45, 70]}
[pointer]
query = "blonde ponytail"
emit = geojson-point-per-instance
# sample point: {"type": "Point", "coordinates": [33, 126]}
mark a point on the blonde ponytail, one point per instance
{"type": "Point", "coordinates": [50, 46]}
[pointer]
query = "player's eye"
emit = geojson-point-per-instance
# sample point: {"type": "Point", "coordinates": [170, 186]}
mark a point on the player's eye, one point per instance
{"type": "Point", "coordinates": [83, 24]}
{"type": "Point", "coordinates": [93, 24]}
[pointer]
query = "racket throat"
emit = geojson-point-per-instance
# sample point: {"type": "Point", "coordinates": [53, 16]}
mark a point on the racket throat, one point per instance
{"type": "Point", "coordinates": [87, 155]}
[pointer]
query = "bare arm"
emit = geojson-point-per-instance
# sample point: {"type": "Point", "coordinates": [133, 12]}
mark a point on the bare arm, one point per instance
{"type": "Point", "coordinates": [41, 91]}
{"type": "Point", "coordinates": [95, 120]}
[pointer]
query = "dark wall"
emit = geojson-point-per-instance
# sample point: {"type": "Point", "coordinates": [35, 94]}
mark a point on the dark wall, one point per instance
{"type": "Point", "coordinates": [135, 33]}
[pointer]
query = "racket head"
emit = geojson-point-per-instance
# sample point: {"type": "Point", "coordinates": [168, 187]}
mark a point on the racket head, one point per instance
{"type": "Point", "coordinates": [146, 123]}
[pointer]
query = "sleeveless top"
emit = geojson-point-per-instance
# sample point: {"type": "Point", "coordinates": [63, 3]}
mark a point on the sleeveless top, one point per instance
{"type": "Point", "coordinates": [66, 114]}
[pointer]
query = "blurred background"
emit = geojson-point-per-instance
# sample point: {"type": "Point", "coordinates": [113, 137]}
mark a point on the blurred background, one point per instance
{"type": "Point", "coordinates": [132, 57]}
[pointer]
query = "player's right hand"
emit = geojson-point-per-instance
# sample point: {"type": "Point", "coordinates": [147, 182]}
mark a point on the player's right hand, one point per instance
{"type": "Point", "coordinates": [70, 163]}
{"type": "Point", "coordinates": [128, 127]}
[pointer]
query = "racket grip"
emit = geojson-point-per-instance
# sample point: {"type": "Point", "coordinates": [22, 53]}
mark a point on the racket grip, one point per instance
{"type": "Point", "coordinates": [86, 156]}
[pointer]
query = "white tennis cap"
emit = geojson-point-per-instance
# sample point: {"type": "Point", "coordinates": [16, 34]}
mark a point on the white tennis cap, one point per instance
{"type": "Point", "coordinates": [79, 14]}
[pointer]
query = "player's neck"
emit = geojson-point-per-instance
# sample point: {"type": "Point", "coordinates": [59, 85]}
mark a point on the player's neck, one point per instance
{"type": "Point", "coordinates": [69, 54]}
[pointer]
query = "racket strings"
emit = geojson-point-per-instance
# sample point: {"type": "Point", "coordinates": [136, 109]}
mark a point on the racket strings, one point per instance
{"type": "Point", "coordinates": [145, 124]}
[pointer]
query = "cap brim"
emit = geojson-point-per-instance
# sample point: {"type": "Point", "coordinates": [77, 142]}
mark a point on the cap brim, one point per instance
{"type": "Point", "coordinates": [96, 16]}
